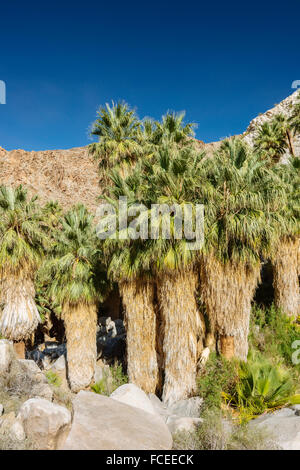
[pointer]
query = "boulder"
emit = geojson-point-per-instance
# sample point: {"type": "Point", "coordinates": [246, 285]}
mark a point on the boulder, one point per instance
{"type": "Point", "coordinates": [59, 364]}
{"type": "Point", "coordinates": [179, 423]}
{"type": "Point", "coordinates": [46, 424]}
{"type": "Point", "coordinates": [283, 426]}
{"type": "Point", "coordinates": [187, 408]}
{"type": "Point", "coordinates": [132, 395]}
{"type": "Point", "coordinates": [103, 423]}
{"type": "Point", "coordinates": [16, 432]}
{"type": "Point", "coordinates": [159, 406]}
{"type": "Point", "coordinates": [6, 355]}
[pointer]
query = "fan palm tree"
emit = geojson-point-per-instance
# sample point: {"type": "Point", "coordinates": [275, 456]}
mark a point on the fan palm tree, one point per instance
{"type": "Point", "coordinates": [295, 117]}
{"type": "Point", "coordinates": [286, 256]}
{"type": "Point", "coordinates": [169, 179]}
{"type": "Point", "coordinates": [22, 245]}
{"type": "Point", "coordinates": [241, 222]}
{"type": "Point", "coordinates": [271, 141]}
{"type": "Point", "coordinates": [77, 285]}
{"type": "Point", "coordinates": [117, 127]}
{"type": "Point", "coordinates": [126, 265]}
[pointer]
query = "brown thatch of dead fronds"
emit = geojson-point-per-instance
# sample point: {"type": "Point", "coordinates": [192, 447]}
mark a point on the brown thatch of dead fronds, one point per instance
{"type": "Point", "coordinates": [286, 282]}
{"type": "Point", "coordinates": [181, 329]}
{"type": "Point", "coordinates": [141, 326]}
{"type": "Point", "coordinates": [227, 291]}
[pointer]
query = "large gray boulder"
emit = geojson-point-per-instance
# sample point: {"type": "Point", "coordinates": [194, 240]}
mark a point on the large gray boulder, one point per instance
{"type": "Point", "coordinates": [132, 395]}
{"type": "Point", "coordinates": [101, 423]}
{"type": "Point", "coordinates": [45, 424]}
{"type": "Point", "coordinates": [6, 355]}
{"type": "Point", "coordinates": [283, 425]}
{"type": "Point", "coordinates": [189, 407]}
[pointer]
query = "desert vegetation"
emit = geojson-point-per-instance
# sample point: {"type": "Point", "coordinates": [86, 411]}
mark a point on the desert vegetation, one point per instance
{"type": "Point", "coordinates": [176, 301]}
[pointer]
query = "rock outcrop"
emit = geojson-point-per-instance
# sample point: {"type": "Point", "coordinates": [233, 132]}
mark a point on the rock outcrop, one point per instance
{"type": "Point", "coordinates": [102, 423]}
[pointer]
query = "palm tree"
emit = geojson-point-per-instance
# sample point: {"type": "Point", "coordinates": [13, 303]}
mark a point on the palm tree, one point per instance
{"type": "Point", "coordinates": [241, 223]}
{"type": "Point", "coordinates": [117, 127]}
{"type": "Point", "coordinates": [22, 245]}
{"type": "Point", "coordinates": [286, 257]}
{"type": "Point", "coordinates": [271, 141]}
{"type": "Point", "coordinates": [126, 265]}
{"type": "Point", "coordinates": [170, 131]}
{"type": "Point", "coordinates": [165, 265]}
{"type": "Point", "coordinates": [77, 285]}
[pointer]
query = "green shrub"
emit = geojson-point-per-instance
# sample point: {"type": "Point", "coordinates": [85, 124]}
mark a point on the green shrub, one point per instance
{"type": "Point", "coordinates": [219, 376]}
{"type": "Point", "coordinates": [112, 379]}
{"type": "Point", "coordinates": [261, 387]}
{"type": "Point", "coordinates": [53, 378]}
{"type": "Point", "coordinates": [273, 333]}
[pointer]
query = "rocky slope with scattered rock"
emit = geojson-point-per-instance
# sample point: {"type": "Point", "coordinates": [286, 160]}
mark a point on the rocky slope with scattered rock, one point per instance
{"type": "Point", "coordinates": [71, 176]}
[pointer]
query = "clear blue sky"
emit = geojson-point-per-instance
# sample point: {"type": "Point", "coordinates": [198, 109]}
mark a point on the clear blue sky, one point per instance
{"type": "Point", "coordinates": [222, 62]}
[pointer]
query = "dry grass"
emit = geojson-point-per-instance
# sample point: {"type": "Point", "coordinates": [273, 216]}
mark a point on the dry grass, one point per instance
{"type": "Point", "coordinates": [81, 328]}
{"type": "Point", "coordinates": [141, 326]}
{"type": "Point", "coordinates": [286, 283]}
{"type": "Point", "coordinates": [227, 291]}
{"type": "Point", "coordinates": [181, 328]}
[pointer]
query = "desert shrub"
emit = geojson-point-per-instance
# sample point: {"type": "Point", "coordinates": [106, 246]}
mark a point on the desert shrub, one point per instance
{"type": "Point", "coordinates": [112, 379]}
{"type": "Point", "coordinates": [262, 386]}
{"type": "Point", "coordinates": [53, 378]}
{"type": "Point", "coordinates": [217, 377]}
{"type": "Point", "coordinates": [217, 434]}
{"type": "Point", "coordinates": [273, 334]}
{"type": "Point", "coordinates": [8, 443]}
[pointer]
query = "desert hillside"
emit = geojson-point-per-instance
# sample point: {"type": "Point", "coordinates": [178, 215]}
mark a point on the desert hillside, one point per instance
{"type": "Point", "coordinates": [71, 176]}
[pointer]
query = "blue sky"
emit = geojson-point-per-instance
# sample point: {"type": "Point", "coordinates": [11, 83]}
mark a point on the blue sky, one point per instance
{"type": "Point", "coordinates": [219, 61]}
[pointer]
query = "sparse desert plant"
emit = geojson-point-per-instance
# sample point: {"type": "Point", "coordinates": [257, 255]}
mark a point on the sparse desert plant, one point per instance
{"type": "Point", "coordinates": [112, 379]}
{"type": "Point", "coordinates": [53, 378]}
{"type": "Point", "coordinates": [217, 434]}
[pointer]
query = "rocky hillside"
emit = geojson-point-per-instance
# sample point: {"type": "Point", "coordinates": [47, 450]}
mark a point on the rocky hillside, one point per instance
{"type": "Point", "coordinates": [71, 176]}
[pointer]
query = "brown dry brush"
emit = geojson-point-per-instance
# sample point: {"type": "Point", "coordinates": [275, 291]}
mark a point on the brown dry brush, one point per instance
{"type": "Point", "coordinates": [227, 291]}
{"type": "Point", "coordinates": [180, 330]}
{"type": "Point", "coordinates": [141, 326]}
{"type": "Point", "coordinates": [81, 329]}
{"type": "Point", "coordinates": [286, 272]}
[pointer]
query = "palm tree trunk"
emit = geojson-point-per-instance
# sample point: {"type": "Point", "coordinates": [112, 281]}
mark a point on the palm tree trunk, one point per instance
{"type": "Point", "coordinates": [81, 329]}
{"type": "Point", "coordinates": [286, 282]}
{"type": "Point", "coordinates": [227, 292]}
{"type": "Point", "coordinates": [181, 328]}
{"type": "Point", "coordinates": [19, 316]}
{"type": "Point", "coordinates": [141, 327]}
{"type": "Point", "coordinates": [290, 142]}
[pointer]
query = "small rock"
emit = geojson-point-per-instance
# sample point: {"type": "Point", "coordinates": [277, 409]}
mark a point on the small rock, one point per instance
{"type": "Point", "coordinates": [41, 390]}
{"type": "Point", "coordinates": [132, 395]}
{"type": "Point", "coordinates": [59, 364]}
{"type": "Point", "coordinates": [180, 423]}
{"type": "Point", "coordinates": [1, 409]}
{"type": "Point", "coordinates": [102, 371]}
{"type": "Point", "coordinates": [17, 432]}
{"type": "Point", "coordinates": [159, 406]}
{"type": "Point", "coordinates": [45, 423]}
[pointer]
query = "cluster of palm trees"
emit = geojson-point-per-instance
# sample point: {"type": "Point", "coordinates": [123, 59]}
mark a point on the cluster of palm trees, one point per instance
{"type": "Point", "coordinates": [176, 300]}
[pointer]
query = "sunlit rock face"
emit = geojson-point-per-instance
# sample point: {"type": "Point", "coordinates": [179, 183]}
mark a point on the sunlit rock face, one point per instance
{"type": "Point", "coordinates": [284, 107]}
